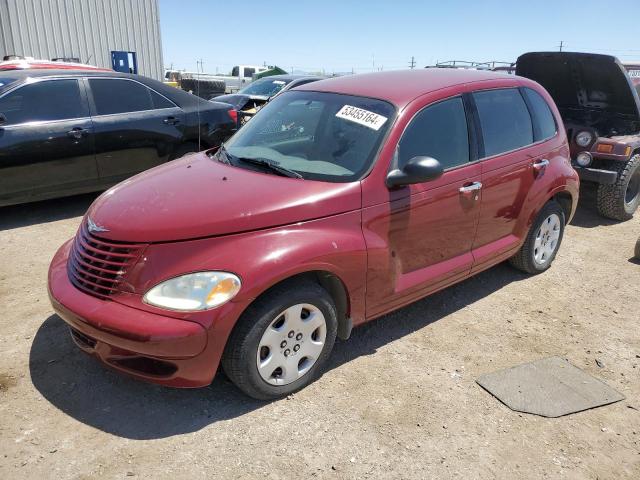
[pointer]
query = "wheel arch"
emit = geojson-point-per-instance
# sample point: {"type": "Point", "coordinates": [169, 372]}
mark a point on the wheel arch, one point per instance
{"type": "Point", "coordinates": [566, 201]}
{"type": "Point", "coordinates": [333, 284]}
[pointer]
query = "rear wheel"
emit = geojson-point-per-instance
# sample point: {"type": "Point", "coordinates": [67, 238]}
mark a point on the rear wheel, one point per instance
{"type": "Point", "coordinates": [637, 252]}
{"type": "Point", "coordinates": [543, 240]}
{"type": "Point", "coordinates": [620, 200]}
{"type": "Point", "coordinates": [282, 341]}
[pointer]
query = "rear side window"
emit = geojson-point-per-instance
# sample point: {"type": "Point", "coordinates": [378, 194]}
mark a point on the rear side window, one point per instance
{"type": "Point", "coordinates": [544, 125]}
{"type": "Point", "coordinates": [119, 96]}
{"type": "Point", "coordinates": [438, 131]}
{"type": "Point", "coordinates": [43, 101]}
{"type": "Point", "coordinates": [159, 101]}
{"type": "Point", "coordinates": [505, 120]}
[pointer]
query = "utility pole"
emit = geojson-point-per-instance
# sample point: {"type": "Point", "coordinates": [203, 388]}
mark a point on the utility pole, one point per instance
{"type": "Point", "coordinates": [561, 45]}
{"type": "Point", "coordinates": [412, 63]}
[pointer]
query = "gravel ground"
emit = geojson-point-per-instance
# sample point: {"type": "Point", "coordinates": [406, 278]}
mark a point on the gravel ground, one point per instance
{"type": "Point", "coordinates": [399, 399]}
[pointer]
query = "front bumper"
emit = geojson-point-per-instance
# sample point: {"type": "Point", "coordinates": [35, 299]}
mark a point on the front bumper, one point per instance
{"type": "Point", "coordinates": [606, 177]}
{"type": "Point", "coordinates": [149, 346]}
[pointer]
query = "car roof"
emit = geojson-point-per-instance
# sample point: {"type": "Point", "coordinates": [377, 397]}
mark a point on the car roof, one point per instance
{"type": "Point", "coordinates": [178, 96]}
{"type": "Point", "coordinates": [402, 86]}
{"type": "Point", "coordinates": [50, 72]}
{"type": "Point", "coordinates": [290, 77]}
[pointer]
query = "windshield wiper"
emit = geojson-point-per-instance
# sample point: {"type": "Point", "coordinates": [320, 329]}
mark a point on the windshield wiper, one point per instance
{"type": "Point", "coordinates": [223, 151]}
{"type": "Point", "coordinates": [276, 167]}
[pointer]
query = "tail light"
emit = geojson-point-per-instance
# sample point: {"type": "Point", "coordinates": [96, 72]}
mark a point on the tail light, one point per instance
{"type": "Point", "coordinates": [234, 115]}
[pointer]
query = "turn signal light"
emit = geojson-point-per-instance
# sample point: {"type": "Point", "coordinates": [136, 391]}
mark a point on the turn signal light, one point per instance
{"type": "Point", "coordinates": [604, 148]}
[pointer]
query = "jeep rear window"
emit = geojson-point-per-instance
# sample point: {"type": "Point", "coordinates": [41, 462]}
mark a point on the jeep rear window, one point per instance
{"type": "Point", "coordinates": [322, 136]}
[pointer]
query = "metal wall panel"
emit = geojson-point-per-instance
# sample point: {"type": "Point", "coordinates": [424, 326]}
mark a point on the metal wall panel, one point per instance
{"type": "Point", "coordinates": [87, 29]}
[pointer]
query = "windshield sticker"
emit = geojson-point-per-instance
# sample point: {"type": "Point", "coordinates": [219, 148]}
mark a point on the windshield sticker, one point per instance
{"type": "Point", "coordinates": [361, 116]}
{"type": "Point", "coordinates": [278, 82]}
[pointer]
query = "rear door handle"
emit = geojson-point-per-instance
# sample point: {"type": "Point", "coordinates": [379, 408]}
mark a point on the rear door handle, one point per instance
{"type": "Point", "coordinates": [77, 133]}
{"type": "Point", "coordinates": [170, 121]}
{"type": "Point", "coordinates": [540, 164]}
{"type": "Point", "coordinates": [471, 187]}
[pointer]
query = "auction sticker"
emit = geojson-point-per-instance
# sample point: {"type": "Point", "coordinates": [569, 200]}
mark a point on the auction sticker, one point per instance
{"type": "Point", "coordinates": [361, 116]}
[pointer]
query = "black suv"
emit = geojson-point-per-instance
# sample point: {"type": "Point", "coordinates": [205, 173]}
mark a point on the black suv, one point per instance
{"type": "Point", "coordinates": [66, 132]}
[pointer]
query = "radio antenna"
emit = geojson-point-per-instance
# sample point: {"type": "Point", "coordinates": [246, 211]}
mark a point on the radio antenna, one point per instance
{"type": "Point", "coordinates": [198, 66]}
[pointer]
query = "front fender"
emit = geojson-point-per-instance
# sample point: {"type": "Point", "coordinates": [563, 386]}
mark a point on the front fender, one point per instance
{"type": "Point", "coordinates": [264, 258]}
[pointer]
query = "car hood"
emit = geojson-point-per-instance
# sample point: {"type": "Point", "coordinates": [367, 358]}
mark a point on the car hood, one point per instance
{"type": "Point", "coordinates": [591, 89]}
{"type": "Point", "coordinates": [239, 100]}
{"type": "Point", "coordinates": [196, 197]}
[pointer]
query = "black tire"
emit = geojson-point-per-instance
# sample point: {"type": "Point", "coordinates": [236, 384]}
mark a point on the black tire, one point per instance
{"type": "Point", "coordinates": [240, 355]}
{"type": "Point", "coordinates": [637, 252]}
{"type": "Point", "coordinates": [183, 149]}
{"type": "Point", "coordinates": [621, 200]}
{"type": "Point", "coordinates": [525, 258]}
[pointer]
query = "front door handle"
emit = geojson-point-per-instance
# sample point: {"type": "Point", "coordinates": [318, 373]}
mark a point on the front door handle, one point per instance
{"type": "Point", "coordinates": [540, 165]}
{"type": "Point", "coordinates": [475, 186]}
{"type": "Point", "coordinates": [76, 133]}
{"type": "Point", "coordinates": [171, 121]}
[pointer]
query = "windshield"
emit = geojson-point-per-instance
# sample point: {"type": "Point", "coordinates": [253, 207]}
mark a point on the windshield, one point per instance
{"type": "Point", "coordinates": [267, 87]}
{"type": "Point", "coordinates": [321, 136]}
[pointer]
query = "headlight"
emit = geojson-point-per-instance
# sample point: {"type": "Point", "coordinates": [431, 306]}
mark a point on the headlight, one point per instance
{"type": "Point", "coordinates": [194, 291]}
{"type": "Point", "coordinates": [583, 159]}
{"type": "Point", "coordinates": [584, 138]}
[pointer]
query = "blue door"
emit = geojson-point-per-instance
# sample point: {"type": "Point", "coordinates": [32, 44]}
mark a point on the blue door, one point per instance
{"type": "Point", "coordinates": [124, 62]}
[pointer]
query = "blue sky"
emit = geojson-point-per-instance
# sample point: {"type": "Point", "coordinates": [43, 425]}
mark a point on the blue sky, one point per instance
{"type": "Point", "coordinates": [345, 35]}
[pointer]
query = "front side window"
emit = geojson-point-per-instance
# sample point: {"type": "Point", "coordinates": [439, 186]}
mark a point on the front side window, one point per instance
{"type": "Point", "coordinates": [439, 131]}
{"type": "Point", "coordinates": [319, 135]}
{"type": "Point", "coordinates": [505, 120]}
{"type": "Point", "coordinates": [248, 72]}
{"type": "Point", "coordinates": [545, 124]}
{"type": "Point", "coordinates": [43, 101]}
{"type": "Point", "coordinates": [119, 96]}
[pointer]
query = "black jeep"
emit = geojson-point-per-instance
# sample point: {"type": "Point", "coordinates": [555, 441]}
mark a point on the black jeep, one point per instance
{"type": "Point", "coordinates": [601, 113]}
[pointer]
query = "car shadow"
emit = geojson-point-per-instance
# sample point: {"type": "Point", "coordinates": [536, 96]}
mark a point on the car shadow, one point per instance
{"type": "Point", "coordinates": [114, 403]}
{"type": "Point", "coordinates": [587, 215]}
{"type": "Point", "coordinates": [16, 216]}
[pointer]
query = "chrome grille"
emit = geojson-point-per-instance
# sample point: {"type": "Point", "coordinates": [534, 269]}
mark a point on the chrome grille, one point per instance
{"type": "Point", "coordinates": [95, 265]}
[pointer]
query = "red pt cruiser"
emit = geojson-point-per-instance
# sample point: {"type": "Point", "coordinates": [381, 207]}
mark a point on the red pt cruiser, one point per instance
{"type": "Point", "coordinates": [339, 202]}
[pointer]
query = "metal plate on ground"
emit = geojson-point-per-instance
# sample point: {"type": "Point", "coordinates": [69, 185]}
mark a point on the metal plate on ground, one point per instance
{"type": "Point", "coordinates": [550, 387]}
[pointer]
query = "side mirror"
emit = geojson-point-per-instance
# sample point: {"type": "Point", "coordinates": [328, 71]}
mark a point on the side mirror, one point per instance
{"type": "Point", "coordinates": [3, 119]}
{"type": "Point", "coordinates": [417, 170]}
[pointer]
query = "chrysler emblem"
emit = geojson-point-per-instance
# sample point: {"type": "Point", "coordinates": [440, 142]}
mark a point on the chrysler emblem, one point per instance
{"type": "Point", "coordinates": [94, 227]}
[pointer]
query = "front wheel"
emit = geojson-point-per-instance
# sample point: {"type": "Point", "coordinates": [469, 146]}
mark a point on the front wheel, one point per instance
{"type": "Point", "coordinates": [543, 240]}
{"type": "Point", "coordinates": [620, 200]}
{"type": "Point", "coordinates": [282, 341]}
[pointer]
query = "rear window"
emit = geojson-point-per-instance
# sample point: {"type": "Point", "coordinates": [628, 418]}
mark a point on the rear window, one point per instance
{"type": "Point", "coordinates": [119, 96]}
{"type": "Point", "coordinates": [544, 123]}
{"type": "Point", "coordinates": [505, 120]}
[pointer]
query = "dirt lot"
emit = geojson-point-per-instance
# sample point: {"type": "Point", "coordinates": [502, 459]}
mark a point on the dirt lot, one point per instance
{"type": "Point", "coordinates": [398, 401]}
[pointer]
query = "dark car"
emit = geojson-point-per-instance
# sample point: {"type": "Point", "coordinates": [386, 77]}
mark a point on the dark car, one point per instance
{"type": "Point", "coordinates": [64, 132]}
{"type": "Point", "coordinates": [339, 202]}
{"type": "Point", "coordinates": [252, 97]}
{"type": "Point", "coordinates": [600, 109]}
